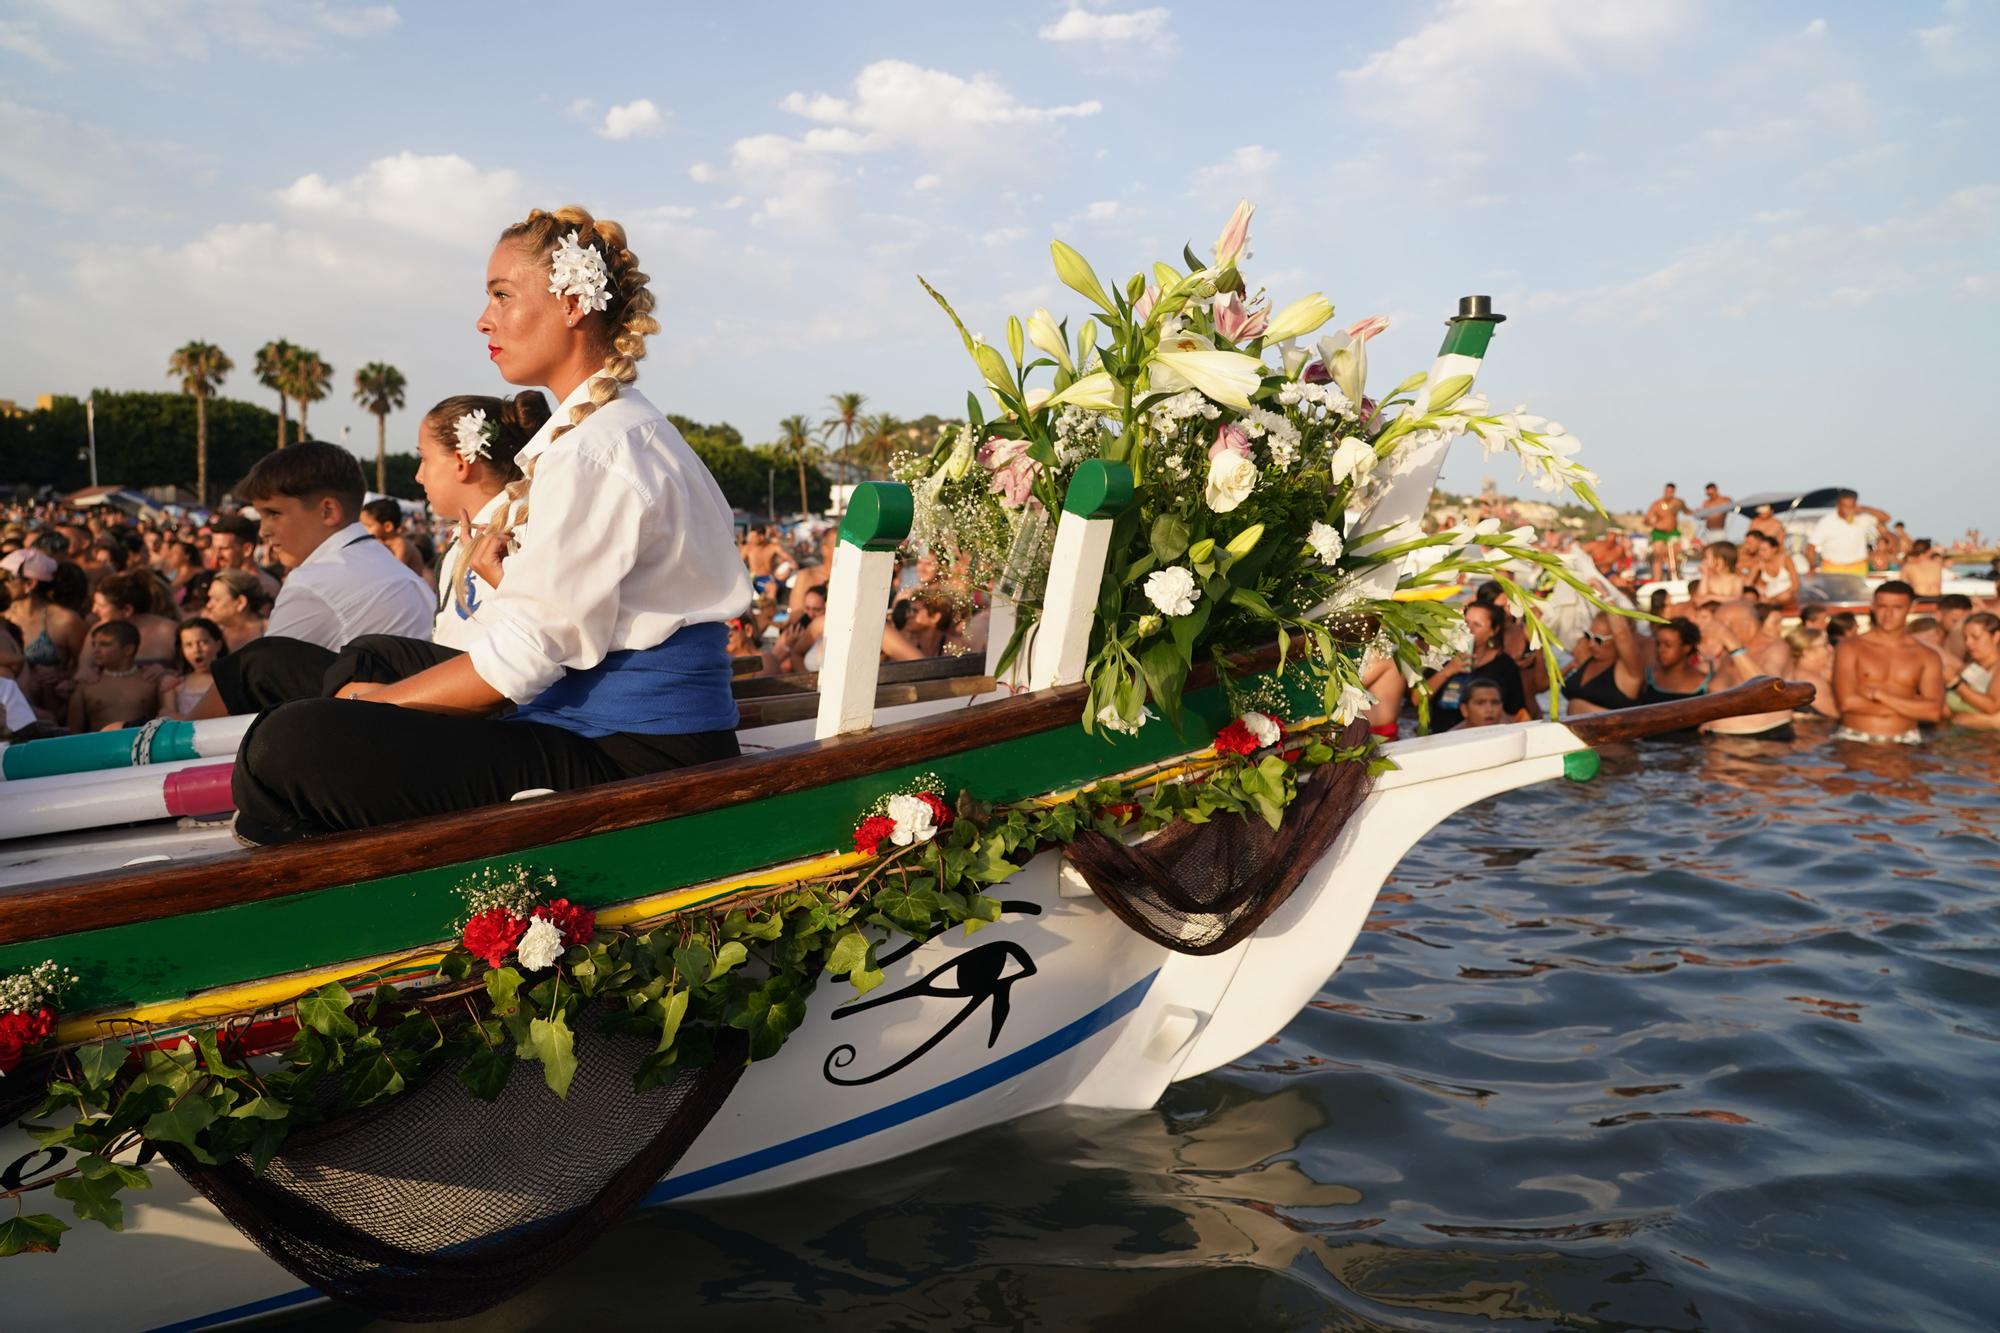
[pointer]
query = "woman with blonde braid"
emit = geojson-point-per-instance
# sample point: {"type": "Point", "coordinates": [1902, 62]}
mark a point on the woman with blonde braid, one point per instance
{"type": "Point", "coordinates": [606, 628]}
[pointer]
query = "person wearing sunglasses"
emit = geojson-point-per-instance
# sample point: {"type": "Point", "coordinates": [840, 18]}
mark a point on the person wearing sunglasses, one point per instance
{"type": "Point", "coordinates": [1607, 667]}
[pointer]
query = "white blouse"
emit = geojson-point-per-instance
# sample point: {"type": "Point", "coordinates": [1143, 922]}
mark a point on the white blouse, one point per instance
{"type": "Point", "coordinates": [628, 538]}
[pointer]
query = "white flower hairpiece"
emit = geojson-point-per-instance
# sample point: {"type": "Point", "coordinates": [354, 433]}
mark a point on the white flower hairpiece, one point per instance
{"type": "Point", "coordinates": [475, 435]}
{"type": "Point", "coordinates": [578, 270]}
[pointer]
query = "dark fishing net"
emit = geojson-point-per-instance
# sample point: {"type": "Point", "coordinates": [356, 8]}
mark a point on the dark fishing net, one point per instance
{"type": "Point", "coordinates": [437, 1205]}
{"type": "Point", "coordinates": [1203, 888]}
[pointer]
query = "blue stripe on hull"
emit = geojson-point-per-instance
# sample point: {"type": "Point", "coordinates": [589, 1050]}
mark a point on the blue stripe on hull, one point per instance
{"type": "Point", "coordinates": [923, 1103]}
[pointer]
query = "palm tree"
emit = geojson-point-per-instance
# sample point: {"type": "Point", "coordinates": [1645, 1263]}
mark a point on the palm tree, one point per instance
{"type": "Point", "coordinates": [201, 367]}
{"type": "Point", "coordinates": [271, 360]}
{"type": "Point", "coordinates": [378, 387]}
{"type": "Point", "coordinates": [796, 437]}
{"type": "Point", "coordinates": [846, 419]}
{"type": "Point", "coordinates": [308, 379]}
{"type": "Point", "coordinates": [879, 436]}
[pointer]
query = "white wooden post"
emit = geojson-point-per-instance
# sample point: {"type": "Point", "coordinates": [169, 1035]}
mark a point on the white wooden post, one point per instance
{"type": "Point", "coordinates": [857, 598]}
{"type": "Point", "coordinates": [1417, 466]}
{"type": "Point", "coordinates": [1097, 494]}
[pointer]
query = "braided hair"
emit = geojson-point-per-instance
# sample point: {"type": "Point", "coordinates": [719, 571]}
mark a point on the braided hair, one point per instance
{"type": "Point", "coordinates": [623, 324]}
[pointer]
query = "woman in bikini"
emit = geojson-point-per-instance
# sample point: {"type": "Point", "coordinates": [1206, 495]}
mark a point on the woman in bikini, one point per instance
{"type": "Point", "coordinates": [1677, 671]}
{"type": "Point", "coordinates": [51, 635]}
{"type": "Point", "coordinates": [1607, 667]}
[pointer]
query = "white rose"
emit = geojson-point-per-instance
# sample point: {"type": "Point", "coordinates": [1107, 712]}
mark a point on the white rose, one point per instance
{"type": "Point", "coordinates": [1352, 703]}
{"type": "Point", "coordinates": [1324, 539]}
{"type": "Point", "coordinates": [913, 819]}
{"type": "Point", "coordinates": [1172, 591]}
{"type": "Point", "coordinates": [1354, 459]}
{"type": "Point", "coordinates": [541, 944]}
{"type": "Point", "coordinates": [1263, 728]}
{"type": "Point", "coordinates": [1231, 478]}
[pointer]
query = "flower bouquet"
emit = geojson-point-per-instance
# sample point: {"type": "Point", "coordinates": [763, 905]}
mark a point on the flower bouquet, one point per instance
{"type": "Point", "coordinates": [1256, 458]}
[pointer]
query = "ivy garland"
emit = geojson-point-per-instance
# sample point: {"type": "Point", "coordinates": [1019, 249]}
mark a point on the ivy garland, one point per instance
{"type": "Point", "coordinates": [680, 981]}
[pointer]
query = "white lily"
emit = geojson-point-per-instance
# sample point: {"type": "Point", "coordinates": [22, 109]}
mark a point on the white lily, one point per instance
{"type": "Point", "coordinates": [1097, 392]}
{"type": "Point", "coordinates": [1227, 377]}
{"type": "Point", "coordinates": [1299, 318]}
{"type": "Point", "coordinates": [1044, 334]}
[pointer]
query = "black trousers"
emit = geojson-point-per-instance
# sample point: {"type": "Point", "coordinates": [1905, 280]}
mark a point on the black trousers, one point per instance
{"type": "Point", "coordinates": [317, 766]}
{"type": "Point", "coordinates": [267, 672]}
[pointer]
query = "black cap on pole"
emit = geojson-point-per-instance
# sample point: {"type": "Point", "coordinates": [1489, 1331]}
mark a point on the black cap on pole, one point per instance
{"type": "Point", "coordinates": [1478, 307]}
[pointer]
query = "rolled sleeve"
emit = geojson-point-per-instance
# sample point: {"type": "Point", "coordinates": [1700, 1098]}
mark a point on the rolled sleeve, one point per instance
{"type": "Point", "coordinates": [552, 611]}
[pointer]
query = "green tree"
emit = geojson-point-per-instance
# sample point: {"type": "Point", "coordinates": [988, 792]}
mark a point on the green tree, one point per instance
{"type": "Point", "coordinates": [378, 386]}
{"type": "Point", "coordinates": [845, 421]}
{"type": "Point", "coordinates": [272, 358]}
{"type": "Point", "coordinates": [141, 441]}
{"type": "Point", "coordinates": [202, 367]}
{"type": "Point", "coordinates": [795, 442]}
{"type": "Point", "coordinates": [879, 436]}
{"type": "Point", "coordinates": [308, 379]}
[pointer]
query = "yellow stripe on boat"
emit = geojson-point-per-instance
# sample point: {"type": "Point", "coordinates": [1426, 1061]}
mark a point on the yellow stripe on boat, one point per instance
{"type": "Point", "coordinates": [1435, 592]}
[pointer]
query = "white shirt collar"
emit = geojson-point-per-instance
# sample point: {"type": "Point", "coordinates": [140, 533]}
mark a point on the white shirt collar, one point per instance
{"type": "Point", "coordinates": [560, 417]}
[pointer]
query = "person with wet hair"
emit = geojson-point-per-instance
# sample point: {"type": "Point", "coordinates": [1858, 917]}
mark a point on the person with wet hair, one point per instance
{"type": "Point", "coordinates": [1676, 671]}
{"type": "Point", "coordinates": [614, 574]}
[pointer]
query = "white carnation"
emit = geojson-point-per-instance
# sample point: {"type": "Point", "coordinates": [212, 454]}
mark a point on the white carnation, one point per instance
{"type": "Point", "coordinates": [913, 819]}
{"type": "Point", "coordinates": [1231, 478]}
{"type": "Point", "coordinates": [1172, 591]}
{"type": "Point", "coordinates": [541, 944]}
{"type": "Point", "coordinates": [1261, 726]}
{"type": "Point", "coordinates": [1324, 539]}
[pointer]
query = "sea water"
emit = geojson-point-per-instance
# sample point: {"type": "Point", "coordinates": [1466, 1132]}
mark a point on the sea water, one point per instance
{"type": "Point", "coordinates": [1712, 1042]}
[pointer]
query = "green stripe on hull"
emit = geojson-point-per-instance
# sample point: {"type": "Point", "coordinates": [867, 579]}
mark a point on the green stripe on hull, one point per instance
{"type": "Point", "coordinates": [163, 960]}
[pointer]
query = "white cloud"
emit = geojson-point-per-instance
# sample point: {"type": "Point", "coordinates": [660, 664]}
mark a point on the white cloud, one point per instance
{"type": "Point", "coordinates": [952, 125]}
{"type": "Point", "coordinates": [1951, 50]}
{"type": "Point", "coordinates": [895, 103]}
{"type": "Point", "coordinates": [1148, 29]}
{"type": "Point", "coordinates": [22, 40]}
{"type": "Point", "coordinates": [1102, 210]}
{"type": "Point", "coordinates": [147, 28]}
{"type": "Point", "coordinates": [442, 198]}
{"type": "Point", "coordinates": [1450, 73]}
{"type": "Point", "coordinates": [633, 120]}
{"type": "Point", "coordinates": [74, 166]}
{"type": "Point", "coordinates": [1247, 173]}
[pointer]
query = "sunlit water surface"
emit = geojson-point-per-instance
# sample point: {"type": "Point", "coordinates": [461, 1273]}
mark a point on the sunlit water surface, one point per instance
{"type": "Point", "coordinates": [1710, 1043]}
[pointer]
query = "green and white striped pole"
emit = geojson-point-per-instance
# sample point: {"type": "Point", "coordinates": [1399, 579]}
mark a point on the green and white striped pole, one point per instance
{"type": "Point", "coordinates": [1416, 465]}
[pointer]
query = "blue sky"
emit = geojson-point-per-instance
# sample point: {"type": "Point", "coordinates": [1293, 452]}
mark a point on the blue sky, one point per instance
{"type": "Point", "coordinates": [1752, 243]}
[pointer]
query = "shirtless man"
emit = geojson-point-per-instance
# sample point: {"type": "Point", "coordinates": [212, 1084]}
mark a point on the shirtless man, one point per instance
{"type": "Point", "coordinates": [121, 694]}
{"type": "Point", "coordinates": [1713, 524]}
{"type": "Point", "coordinates": [1746, 653]}
{"type": "Point", "coordinates": [1663, 516]}
{"type": "Point", "coordinates": [1886, 682]}
{"type": "Point", "coordinates": [384, 520]}
{"type": "Point", "coordinates": [1923, 568]}
{"type": "Point", "coordinates": [1767, 523]}
{"type": "Point", "coordinates": [1720, 579]}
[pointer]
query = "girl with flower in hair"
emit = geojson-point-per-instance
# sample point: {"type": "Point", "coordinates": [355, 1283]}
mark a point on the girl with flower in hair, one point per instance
{"type": "Point", "coordinates": [613, 573]}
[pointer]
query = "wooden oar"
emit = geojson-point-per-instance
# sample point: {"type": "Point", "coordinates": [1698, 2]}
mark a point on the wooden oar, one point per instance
{"type": "Point", "coordinates": [1765, 694]}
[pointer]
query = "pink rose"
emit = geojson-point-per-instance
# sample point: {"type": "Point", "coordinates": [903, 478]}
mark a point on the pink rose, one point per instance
{"type": "Point", "coordinates": [1230, 440]}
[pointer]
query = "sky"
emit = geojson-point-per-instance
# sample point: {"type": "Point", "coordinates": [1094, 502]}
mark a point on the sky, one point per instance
{"type": "Point", "coordinates": [1755, 244]}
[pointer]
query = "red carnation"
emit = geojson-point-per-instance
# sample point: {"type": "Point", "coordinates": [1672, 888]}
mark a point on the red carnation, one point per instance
{"type": "Point", "coordinates": [870, 835]}
{"type": "Point", "coordinates": [1121, 810]}
{"type": "Point", "coordinates": [492, 935]}
{"type": "Point", "coordinates": [21, 1033]}
{"type": "Point", "coordinates": [1235, 739]}
{"type": "Point", "coordinates": [940, 812]}
{"type": "Point", "coordinates": [577, 924]}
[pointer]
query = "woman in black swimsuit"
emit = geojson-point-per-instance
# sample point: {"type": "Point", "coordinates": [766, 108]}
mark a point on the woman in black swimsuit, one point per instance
{"type": "Point", "coordinates": [1488, 660]}
{"type": "Point", "coordinates": [1677, 672]}
{"type": "Point", "coordinates": [1608, 667]}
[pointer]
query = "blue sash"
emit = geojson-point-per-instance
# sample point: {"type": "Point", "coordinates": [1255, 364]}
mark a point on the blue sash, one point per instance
{"type": "Point", "coordinates": [672, 689]}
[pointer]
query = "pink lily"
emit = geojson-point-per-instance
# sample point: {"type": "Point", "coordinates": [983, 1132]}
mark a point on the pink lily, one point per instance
{"type": "Point", "coordinates": [1236, 323]}
{"type": "Point", "coordinates": [1235, 236]}
{"type": "Point", "coordinates": [1142, 309]}
{"type": "Point", "coordinates": [1013, 469]}
{"type": "Point", "coordinates": [1364, 329]}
